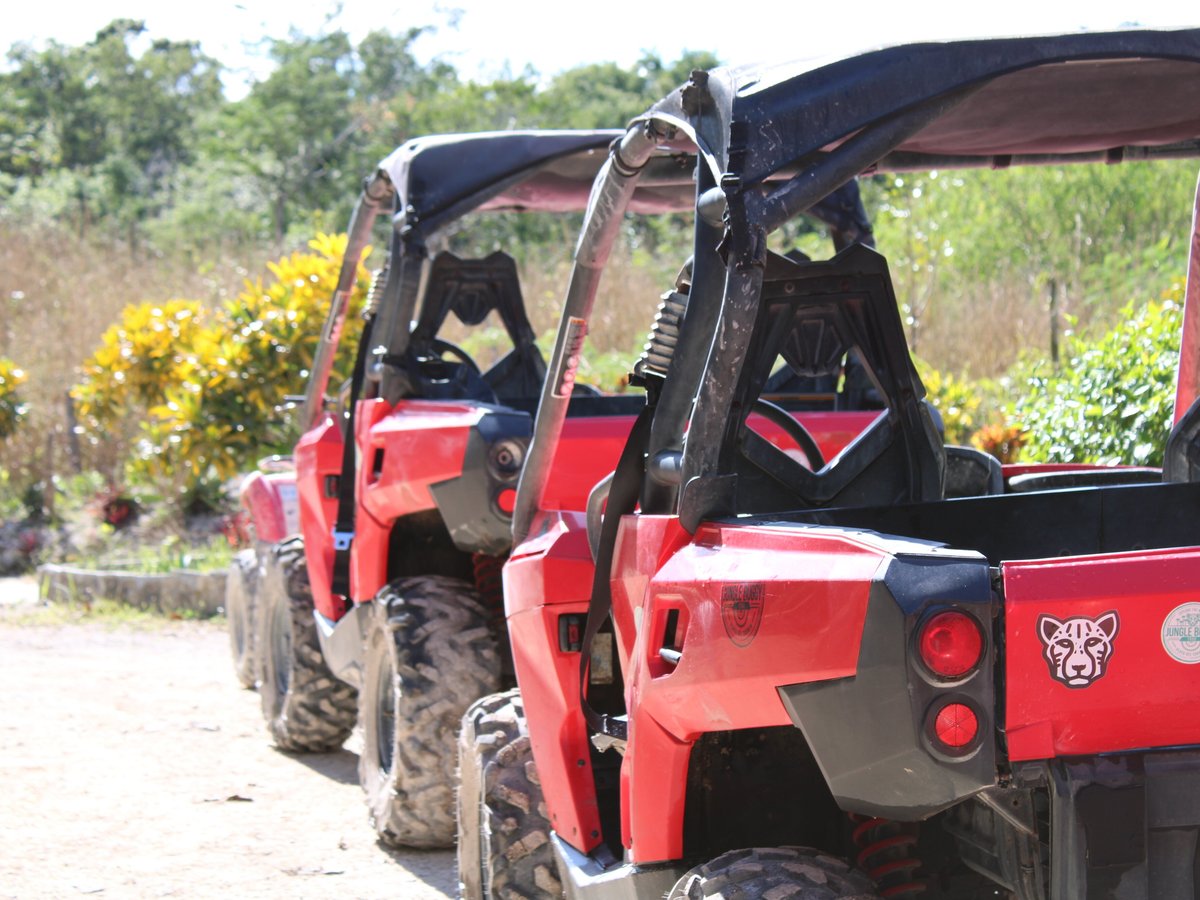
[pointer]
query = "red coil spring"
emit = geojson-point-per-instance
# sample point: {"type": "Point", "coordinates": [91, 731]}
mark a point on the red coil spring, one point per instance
{"type": "Point", "coordinates": [886, 852]}
{"type": "Point", "coordinates": [491, 590]}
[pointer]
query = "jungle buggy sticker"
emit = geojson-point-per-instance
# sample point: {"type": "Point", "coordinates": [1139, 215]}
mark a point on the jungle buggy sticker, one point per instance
{"type": "Point", "coordinates": [1181, 633]}
{"type": "Point", "coordinates": [741, 611]}
{"type": "Point", "coordinates": [1078, 649]}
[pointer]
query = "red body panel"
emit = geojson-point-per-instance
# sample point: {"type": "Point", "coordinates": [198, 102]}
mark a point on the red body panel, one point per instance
{"type": "Point", "coordinates": [587, 451]}
{"type": "Point", "coordinates": [1143, 697]}
{"type": "Point", "coordinates": [814, 592]}
{"type": "Point", "coordinates": [318, 457]}
{"type": "Point", "coordinates": [657, 570]}
{"type": "Point", "coordinates": [273, 504]}
{"type": "Point", "coordinates": [717, 686]}
{"type": "Point", "coordinates": [551, 575]}
{"type": "Point", "coordinates": [423, 442]}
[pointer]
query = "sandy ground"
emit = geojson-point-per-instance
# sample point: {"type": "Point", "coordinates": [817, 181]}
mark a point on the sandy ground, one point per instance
{"type": "Point", "coordinates": [132, 765]}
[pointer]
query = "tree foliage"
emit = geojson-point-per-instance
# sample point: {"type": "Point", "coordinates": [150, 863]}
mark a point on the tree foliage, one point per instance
{"type": "Point", "coordinates": [1101, 233]}
{"type": "Point", "coordinates": [117, 122]}
{"type": "Point", "coordinates": [136, 133]}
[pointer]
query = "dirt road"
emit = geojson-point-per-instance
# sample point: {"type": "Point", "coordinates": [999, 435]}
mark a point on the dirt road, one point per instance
{"type": "Point", "coordinates": [132, 765]}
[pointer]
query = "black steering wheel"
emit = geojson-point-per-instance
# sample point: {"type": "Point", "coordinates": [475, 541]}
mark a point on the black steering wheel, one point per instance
{"type": "Point", "coordinates": [793, 429]}
{"type": "Point", "coordinates": [463, 377]}
{"type": "Point", "coordinates": [440, 347]}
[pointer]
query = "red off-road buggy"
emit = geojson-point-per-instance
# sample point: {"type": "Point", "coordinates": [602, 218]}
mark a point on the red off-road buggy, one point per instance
{"type": "Point", "coordinates": [901, 670]}
{"type": "Point", "coordinates": [269, 512]}
{"type": "Point", "coordinates": [388, 607]}
{"type": "Point", "coordinates": [382, 605]}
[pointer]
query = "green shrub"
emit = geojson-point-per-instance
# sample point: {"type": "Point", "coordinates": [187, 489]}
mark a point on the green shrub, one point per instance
{"type": "Point", "coordinates": [1112, 400]}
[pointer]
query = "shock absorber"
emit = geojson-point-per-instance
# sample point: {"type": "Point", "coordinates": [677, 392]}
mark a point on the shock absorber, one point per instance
{"type": "Point", "coordinates": [378, 279]}
{"type": "Point", "coordinates": [664, 333]}
{"type": "Point", "coordinates": [887, 853]}
{"type": "Point", "coordinates": [488, 583]}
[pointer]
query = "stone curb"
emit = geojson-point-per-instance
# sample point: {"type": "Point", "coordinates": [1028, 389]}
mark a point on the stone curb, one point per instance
{"type": "Point", "coordinates": [200, 593]}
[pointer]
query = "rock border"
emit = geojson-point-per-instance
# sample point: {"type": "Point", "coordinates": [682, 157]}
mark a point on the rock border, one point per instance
{"type": "Point", "coordinates": [179, 591]}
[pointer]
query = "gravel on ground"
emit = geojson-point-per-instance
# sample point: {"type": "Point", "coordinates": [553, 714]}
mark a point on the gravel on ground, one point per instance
{"type": "Point", "coordinates": [133, 765]}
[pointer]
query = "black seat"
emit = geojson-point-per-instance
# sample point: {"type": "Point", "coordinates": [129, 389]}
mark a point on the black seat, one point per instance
{"type": "Point", "coordinates": [472, 289]}
{"type": "Point", "coordinates": [818, 315]}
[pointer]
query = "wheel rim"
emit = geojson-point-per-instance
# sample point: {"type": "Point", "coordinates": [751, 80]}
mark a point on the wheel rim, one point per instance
{"type": "Point", "coordinates": [281, 647]}
{"type": "Point", "coordinates": [385, 713]}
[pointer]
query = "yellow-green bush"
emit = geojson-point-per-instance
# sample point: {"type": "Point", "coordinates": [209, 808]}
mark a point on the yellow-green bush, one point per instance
{"type": "Point", "coordinates": [208, 383]}
{"type": "Point", "coordinates": [959, 401]}
{"type": "Point", "coordinates": [11, 407]}
{"type": "Point", "coordinates": [145, 350]}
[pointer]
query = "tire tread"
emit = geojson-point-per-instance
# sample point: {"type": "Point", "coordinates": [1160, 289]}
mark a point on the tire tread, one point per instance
{"type": "Point", "coordinates": [445, 657]}
{"type": "Point", "coordinates": [318, 711]}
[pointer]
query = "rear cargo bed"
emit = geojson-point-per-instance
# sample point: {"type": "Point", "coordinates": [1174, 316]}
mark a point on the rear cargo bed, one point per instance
{"type": "Point", "coordinates": [1075, 522]}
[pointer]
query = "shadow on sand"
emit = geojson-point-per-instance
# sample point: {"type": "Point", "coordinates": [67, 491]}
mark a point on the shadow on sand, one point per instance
{"type": "Point", "coordinates": [340, 766]}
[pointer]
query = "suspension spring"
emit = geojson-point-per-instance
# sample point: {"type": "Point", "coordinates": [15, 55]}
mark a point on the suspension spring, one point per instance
{"type": "Point", "coordinates": [371, 305]}
{"type": "Point", "coordinates": [491, 589]}
{"type": "Point", "coordinates": [887, 853]}
{"type": "Point", "coordinates": [663, 336]}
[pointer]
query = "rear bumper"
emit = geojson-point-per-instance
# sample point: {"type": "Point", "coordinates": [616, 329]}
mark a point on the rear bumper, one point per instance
{"type": "Point", "coordinates": [470, 502]}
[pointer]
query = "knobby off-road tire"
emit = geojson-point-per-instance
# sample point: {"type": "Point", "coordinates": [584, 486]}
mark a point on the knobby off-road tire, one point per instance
{"type": "Point", "coordinates": [781, 873]}
{"type": "Point", "coordinates": [241, 585]}
{"type": "Point", "coordinates": [503, 827]}
{"type": "Point", "coordinates": [429, 655]}
{"type": "Point", "coordinates": [307, 709]}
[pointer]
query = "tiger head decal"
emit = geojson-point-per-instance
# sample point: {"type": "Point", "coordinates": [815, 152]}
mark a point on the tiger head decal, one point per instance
{"type": "Point", "coordinates": [1078, 649]}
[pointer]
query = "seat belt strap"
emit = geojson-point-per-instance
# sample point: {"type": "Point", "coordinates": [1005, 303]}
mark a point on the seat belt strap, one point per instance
{"type": "Point", "coordinates": [343, 529]}
{"type": "Point", "coordinates": [622, 500]}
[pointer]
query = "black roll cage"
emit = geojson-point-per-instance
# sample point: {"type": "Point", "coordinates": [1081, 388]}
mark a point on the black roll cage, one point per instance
{"type": "Point", "coordinates": [769, 144]}
{"type": "Point", "coordinates": [430, 183]}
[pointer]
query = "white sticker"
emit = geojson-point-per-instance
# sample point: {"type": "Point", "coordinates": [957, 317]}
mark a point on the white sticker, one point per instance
{"type": "Point", "coordinates": [1181, 633]}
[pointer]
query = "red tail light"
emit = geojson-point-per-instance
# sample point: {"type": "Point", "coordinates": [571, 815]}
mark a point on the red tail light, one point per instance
{"type": "Point", "coordinates": [506, 501]}
{"type": "Point", "coordinates": [956, 725]}
{"type": "Point", "coordinates": [950, 644]}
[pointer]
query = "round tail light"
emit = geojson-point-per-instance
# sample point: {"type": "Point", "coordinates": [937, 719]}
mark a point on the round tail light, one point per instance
{"type": "Point", "coordinates": [950, 644]}
{"type": "Point", "coordinates": [956, 725]}
{"type": "Point", "coordinates": [506, 501]}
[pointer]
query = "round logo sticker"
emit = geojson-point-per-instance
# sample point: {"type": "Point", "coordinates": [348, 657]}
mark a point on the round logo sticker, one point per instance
{"type": "Point", "coordinates": [1181, 633]}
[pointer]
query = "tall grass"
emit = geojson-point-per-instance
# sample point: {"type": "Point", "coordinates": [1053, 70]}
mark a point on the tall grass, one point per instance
{"type": "Point", "coordinates": [57, 296]}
